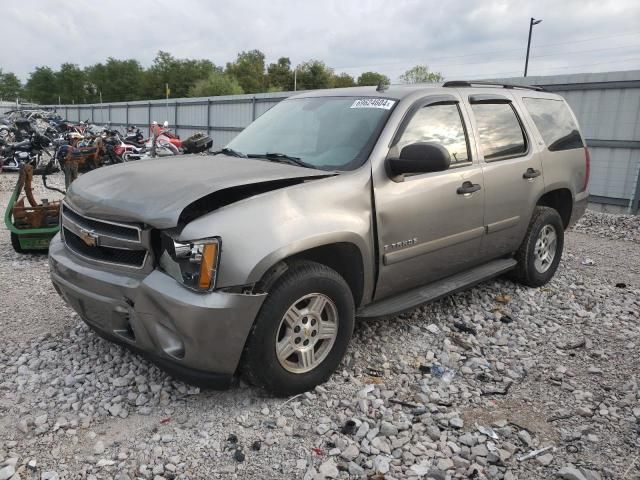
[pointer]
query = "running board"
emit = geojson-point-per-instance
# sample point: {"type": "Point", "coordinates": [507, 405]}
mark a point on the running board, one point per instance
{"type": "Point", "coordinates": [455, 283]}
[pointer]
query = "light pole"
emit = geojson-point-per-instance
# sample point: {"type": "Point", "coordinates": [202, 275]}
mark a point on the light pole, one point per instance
{"type": "Point", "coordinates": [532, 22]}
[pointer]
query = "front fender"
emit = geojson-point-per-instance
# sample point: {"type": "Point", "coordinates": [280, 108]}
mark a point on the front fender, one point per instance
{"type": "Point", "coordinates": [260, 231]}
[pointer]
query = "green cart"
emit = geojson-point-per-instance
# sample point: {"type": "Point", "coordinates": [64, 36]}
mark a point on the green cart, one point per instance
{"type": "Point", "coordinates": [32, 226]}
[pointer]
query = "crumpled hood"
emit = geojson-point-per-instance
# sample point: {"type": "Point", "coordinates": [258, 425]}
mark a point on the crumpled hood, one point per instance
{"type": "Point", "coordinates": [156, 191]}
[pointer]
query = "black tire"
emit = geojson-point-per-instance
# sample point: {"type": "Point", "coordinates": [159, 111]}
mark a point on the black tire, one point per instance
{"type": "Point", "coordinates": [526, 271]}
{"type": "Point", "coordinates": [260, 364]}
{"type": "Point", "coordinates": [15, 243]}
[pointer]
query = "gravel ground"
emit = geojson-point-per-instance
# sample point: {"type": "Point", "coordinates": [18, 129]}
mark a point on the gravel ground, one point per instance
{"type": "Point", "coordinates": [462, 388]}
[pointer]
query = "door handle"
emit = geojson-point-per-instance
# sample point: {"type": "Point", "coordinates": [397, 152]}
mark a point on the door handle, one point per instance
{"type": "Point", "coordinates": [467, 188]}
{"type": "Point", "coordinates": [530, 174]}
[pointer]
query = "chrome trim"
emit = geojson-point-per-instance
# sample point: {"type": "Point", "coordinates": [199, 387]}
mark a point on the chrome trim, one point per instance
{"type": "Point", "coordinates": [104, 240]}
{"type": "Point", "coordinates": [107, 240]}
{"type": "Point", "coordinates": [95, 260]}
{"type": "Point", "coordinates": [99, 220]}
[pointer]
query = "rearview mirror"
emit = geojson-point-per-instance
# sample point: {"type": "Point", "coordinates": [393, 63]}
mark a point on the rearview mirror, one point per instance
{"type": "Point", "coordinates": [421, 157]}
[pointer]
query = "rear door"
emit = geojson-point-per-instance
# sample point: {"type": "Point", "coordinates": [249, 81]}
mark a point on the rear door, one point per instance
{"type": "Point", "coordinates": [512, 171]}
{"type": "Point", "coordinates": [427, 227]}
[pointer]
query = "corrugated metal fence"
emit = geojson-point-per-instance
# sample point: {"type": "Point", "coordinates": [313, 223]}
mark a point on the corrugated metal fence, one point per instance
{"type": "Point", "coordinates": [221, 117]}
{"type": "Point", "coordinates": [607, 106]}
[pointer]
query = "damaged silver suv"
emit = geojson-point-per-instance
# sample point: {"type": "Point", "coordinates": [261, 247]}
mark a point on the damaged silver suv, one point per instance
{"type": "Point", "coordinates": [335, 204]}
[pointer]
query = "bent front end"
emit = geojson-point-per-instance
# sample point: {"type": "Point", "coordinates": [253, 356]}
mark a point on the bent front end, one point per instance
{"type": "Point", "coordinates": [197, 336]}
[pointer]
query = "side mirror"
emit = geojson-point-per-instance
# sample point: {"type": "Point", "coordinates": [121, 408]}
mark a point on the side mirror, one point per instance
{"type": "Point", "coordinates": [421, 157]}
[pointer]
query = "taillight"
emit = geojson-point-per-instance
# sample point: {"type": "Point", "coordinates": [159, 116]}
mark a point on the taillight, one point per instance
{"type": "Point", "coordinates": [587, 159]}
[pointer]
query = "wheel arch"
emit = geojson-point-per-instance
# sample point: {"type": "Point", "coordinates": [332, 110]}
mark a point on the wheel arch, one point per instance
{"type": "Point", "coordinates": [561, 200]}
{"type": "Point", "coordinates": [344, 257]}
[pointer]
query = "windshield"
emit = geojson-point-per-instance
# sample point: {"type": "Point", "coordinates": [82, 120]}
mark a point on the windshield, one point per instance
{"type": "Point", "coordinates": [329, 133]}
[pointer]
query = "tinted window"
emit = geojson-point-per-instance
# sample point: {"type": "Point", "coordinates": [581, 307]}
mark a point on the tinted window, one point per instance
{"type": "Point", "coordinates": [499, 130]}
{"type": "Point", "coordinates": [440, 124]}
{"type": "Point", "coordinates": [555, 123]}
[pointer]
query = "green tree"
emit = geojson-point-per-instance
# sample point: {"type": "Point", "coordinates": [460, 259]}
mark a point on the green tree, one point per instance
{"type": "Point", "coordinates": [372, 79]}
{"type": "Point", "coordinates": [217, 83]}
{"type": "Point", "coordinates": [421, 74]}
{"type": "Point", "coordinates": [71, 83]}
{"type": "Point", "coordinates": [342, 80]}
{"type": "Point", "coordinates": [279, 75]}
{"type": "Point", "coordinates": [314, 74]}
{"type": "Point", "coordinates": [42, 86]}
{"type": "Point", "coordinates": [248, 69]}
{"type": "Point", "coordinates": [10, 86]}
{"type": "Point", "coordinates": [179, 74]}
{"type": "Point", "coordinates": [118, 80]}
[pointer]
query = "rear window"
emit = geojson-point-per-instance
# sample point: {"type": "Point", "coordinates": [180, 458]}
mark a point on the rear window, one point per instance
{"type": "Point", "coordinates": [499, 131]}
{"type": "Point", "coordinates": [555, 123]}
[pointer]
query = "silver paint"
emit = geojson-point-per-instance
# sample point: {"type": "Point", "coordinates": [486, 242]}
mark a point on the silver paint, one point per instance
{"type": "Point", "coordinates": [445, 233]}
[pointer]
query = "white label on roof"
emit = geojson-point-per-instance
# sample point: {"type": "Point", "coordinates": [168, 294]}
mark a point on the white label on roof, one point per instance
{"type": "Point", "coordinates": [383, 103]}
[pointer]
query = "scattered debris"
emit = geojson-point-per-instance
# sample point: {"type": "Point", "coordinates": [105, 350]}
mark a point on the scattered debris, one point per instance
{"type": "Point", "coordinates": [506, 319]}
{"type": "Point", "coordinates": [348, 428]}
{"type": "Point", "coordinates": [502, 391]}
{"type": "Point", "coordinates": [489, 432]}
{"type": "Point", "coordinates": [446, 374]}
{"type": "Point", "coordinates": [534, 453]}
{"type": "Point", "coordinates": [503, 298]}
{"type": "Point", "coordinates": [405, 404]}
{"type": "Point", "coordinates": [374, 372]}
{"type": "Point", "coordinates": [463, 327]}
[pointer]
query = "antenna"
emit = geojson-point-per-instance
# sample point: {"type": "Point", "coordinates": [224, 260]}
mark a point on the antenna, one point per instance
{"type": "Point", "coordinates": [382, 86]}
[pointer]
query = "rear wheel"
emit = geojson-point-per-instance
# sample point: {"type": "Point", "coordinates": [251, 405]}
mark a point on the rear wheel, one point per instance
{"type": "Point", "coordinates": [15, 243]}
{"type": "Point", "coordinates": [539, 255]}
{"type": "Point", "coordinates": [302, 331]}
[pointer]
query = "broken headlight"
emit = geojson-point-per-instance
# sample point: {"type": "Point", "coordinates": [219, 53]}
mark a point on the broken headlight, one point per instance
{"type": "Point", "coordinates": [193, 264]}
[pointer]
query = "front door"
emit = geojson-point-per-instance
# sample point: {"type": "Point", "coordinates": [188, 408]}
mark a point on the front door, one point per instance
{"type": "Point", "coordinates": [429, 225]}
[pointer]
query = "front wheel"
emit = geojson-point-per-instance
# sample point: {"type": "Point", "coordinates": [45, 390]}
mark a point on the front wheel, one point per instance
{"type": "Point", "coordinates": [539, 255]}
{"type": "Point", "coordinates": [302, 331]}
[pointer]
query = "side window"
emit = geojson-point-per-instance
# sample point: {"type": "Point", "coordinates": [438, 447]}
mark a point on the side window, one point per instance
{"type": "Point", "coordinates": [555, 123]}
{"type": "Point", "coordinates": [499, 131]}
{"type": "Point", "coordinates": [439, 124]}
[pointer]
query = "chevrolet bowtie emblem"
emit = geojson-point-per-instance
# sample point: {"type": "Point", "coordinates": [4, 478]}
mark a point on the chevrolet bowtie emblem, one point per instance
{"type": "Point", "coordinates": [89, 237]}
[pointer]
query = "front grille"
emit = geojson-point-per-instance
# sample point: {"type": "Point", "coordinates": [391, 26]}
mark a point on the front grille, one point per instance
{"type": "Point", "coordinates": [101, 227]}
{"type": "Point", "coordinates": [132, 258]}
{"type": "Point", "coordinates": [104, 241]}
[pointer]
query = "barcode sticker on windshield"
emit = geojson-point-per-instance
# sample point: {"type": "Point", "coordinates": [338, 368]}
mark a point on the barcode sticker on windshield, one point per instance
{"type": "Point", "coordinates": [383, 103]}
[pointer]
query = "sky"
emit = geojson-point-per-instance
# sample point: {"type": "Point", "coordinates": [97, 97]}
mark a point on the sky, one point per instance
{"type": "Point", "coordinates": [462, 39]}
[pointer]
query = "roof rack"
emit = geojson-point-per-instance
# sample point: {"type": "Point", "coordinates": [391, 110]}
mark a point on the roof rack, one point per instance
{"type": "Point", "coordinates": [471, 83]}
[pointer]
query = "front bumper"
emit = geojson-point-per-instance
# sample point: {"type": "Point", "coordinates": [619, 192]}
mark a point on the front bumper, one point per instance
{"type": "Point", "coordinates": [198, 337]}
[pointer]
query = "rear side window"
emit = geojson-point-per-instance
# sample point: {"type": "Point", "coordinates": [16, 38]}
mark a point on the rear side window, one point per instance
{"type": "Point", "coordinates": [499, 131]}
{"type": "Point", "coordinates": [439, 123]}
{"type": "Point", "coordinates": [555, 123]}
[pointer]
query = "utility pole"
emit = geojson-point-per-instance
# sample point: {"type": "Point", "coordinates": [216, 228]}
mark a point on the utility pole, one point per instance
{"type": "Point", "coordinates": [532, 22]}
{"type": "Point", "coordinates": [295, 79]}
{"type": "Point", "coordinates": [167, 92]}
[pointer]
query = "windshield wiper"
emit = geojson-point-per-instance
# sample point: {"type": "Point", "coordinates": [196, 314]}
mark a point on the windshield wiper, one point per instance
{"type": "Point", "coordinates": [282, 158]}
{"type": "Point", "coordinates": [232, 152]}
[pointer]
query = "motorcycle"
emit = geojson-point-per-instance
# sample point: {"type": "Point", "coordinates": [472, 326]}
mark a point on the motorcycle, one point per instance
{"type": "Point", "coordinates": [29, 150]}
